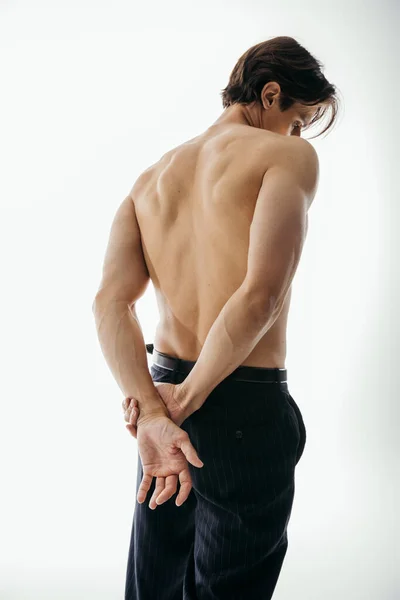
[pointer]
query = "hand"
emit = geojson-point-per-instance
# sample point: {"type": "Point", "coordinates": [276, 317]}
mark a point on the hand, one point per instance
{"type": "Point", "coordinates": [165, 450]}
{"type": "Point", "coordinates": [171, 395]}
{"type": "Point", "coordinates": [132, 411]}
{"type": "Point", "coordinates": [130, 406]}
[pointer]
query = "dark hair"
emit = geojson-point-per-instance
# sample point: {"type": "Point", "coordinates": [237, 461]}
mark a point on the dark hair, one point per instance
{"type": "Point", "coordinates": [299, 74]}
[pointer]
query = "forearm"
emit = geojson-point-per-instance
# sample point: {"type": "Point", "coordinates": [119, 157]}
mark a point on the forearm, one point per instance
{"type": "Point", "coordinates": [124, 349]}
{"type": "Point", "coordinates": [233, 335]}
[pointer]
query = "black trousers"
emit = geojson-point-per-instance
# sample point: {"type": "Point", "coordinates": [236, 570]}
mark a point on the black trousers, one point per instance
{"type": "Point", "coordinates": [228, 540]}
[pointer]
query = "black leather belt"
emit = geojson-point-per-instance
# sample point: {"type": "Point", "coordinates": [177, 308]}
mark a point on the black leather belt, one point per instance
{"type": "Point", "coordinates": [242, 373]}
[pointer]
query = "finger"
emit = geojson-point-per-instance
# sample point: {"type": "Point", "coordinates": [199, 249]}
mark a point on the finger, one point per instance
{"type": "Point", "coordinates": [127, 416]}
{"type": "Point", "coordinates": [186, 485]}
{"type": "Point", "coordinates": [128, 403]}
{"type": "Point", "coordinates": [160, 485]}
{"type": "Point", "coordinates": [171, 484]}
{"type": "Point", "coordinates": [189, 451]}
{"type": "Point", "coordinates": [132, 413]}
{"type": "Point", "coordinates": [133, 416]}
{"type": "Point", "coordinates": [132, 430]}
{"type": "Point", "coordinates": [144, 488]}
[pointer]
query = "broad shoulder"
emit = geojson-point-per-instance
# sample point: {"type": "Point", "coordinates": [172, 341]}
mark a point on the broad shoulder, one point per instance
{"type": "Point", "coordinates": [301, 148]}
{"type": "Point", "coordinates": [143, 180]}
{"type": "Point", "coordinates": [281, 147]}
{"type": "Point", "coordinates": [149, 175]}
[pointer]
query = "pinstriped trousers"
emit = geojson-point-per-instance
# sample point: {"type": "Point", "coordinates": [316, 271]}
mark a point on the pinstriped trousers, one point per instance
{"type": "Point", "coordinates": [228, 540]}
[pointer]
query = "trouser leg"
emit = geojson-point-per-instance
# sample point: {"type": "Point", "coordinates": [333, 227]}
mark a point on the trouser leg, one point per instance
{"type": "Point", "coordinates": [161, 540]}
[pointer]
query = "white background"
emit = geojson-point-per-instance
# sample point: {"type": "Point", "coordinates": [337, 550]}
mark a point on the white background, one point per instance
{"type": "Point", "coordinates": [92, 94]}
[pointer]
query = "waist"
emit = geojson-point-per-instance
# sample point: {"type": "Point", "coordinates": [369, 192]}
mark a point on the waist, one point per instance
{"type": "Point", "coordinates": [241, 373]}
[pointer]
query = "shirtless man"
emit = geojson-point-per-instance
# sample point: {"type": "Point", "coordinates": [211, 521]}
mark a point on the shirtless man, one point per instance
{"type": "Point", "coordinates": [218, 225]}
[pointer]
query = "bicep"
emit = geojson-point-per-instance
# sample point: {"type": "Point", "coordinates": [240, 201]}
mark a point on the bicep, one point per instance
{"type": "Point", "coordinates": [125, 275]}
{"type": "Point", "coordinates": [278, 232]}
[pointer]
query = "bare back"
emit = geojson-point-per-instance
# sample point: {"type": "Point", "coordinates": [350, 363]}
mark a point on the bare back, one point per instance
{"type": "Point", "coordinates": [194, 208]}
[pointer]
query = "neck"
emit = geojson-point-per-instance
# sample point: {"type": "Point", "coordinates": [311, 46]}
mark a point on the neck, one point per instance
{"type": "Point", "coordinates": [239, 113]}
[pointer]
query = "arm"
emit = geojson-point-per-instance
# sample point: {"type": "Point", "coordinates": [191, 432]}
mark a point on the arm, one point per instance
{"type": "Point", "coordinates": [124, 281]}
{"type": "Point", "coordinates": [277, 235]}
{"type": "Point", "coordinates": [165, 449]}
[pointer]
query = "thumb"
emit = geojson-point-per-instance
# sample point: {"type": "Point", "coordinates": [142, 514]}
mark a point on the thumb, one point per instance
{"type": "Point", "coordinates": [189, 451]}
{"type": "Point", "coordinates": [132, 429]}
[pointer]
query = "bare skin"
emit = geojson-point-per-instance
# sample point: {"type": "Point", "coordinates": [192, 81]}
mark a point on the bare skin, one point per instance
{"type": "Point", "coordinates": [194, 208]}
{"type": "Point", "coordinates": [194, 211]}
{"type": "Point", "coordinates": [166, 486]}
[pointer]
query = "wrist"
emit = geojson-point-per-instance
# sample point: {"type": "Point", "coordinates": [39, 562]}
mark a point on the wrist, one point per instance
{"type": "Point", "coordinates": [151, 415]}
{"type": "Point", "coordinates": [149, 410]}
{"type": "Point", "coordinates": [190, 402]}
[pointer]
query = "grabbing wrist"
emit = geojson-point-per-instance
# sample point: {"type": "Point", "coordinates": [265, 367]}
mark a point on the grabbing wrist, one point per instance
{"type": "Point", "coordinates": [188, 401]}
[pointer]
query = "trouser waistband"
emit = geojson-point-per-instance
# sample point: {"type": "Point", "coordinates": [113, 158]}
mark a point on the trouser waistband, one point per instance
{"type": "Point", "coordinates": [241, 373]}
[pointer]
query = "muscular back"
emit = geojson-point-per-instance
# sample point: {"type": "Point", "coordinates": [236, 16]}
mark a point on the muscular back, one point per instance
{"type": "Point", "coordinates": [194, 208]}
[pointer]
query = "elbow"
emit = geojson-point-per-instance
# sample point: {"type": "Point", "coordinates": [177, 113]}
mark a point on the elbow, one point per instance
{"type": "Point", "coordinates": [105, 298]}
{"type": "Point", "coordinates": [266, 309]}
{"type": "Point", "coordinates": [262, 304]}
{"type": "Point", "coordinates": [95, 304]}
{"type": "Point", "coordinates": [98, 301]}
